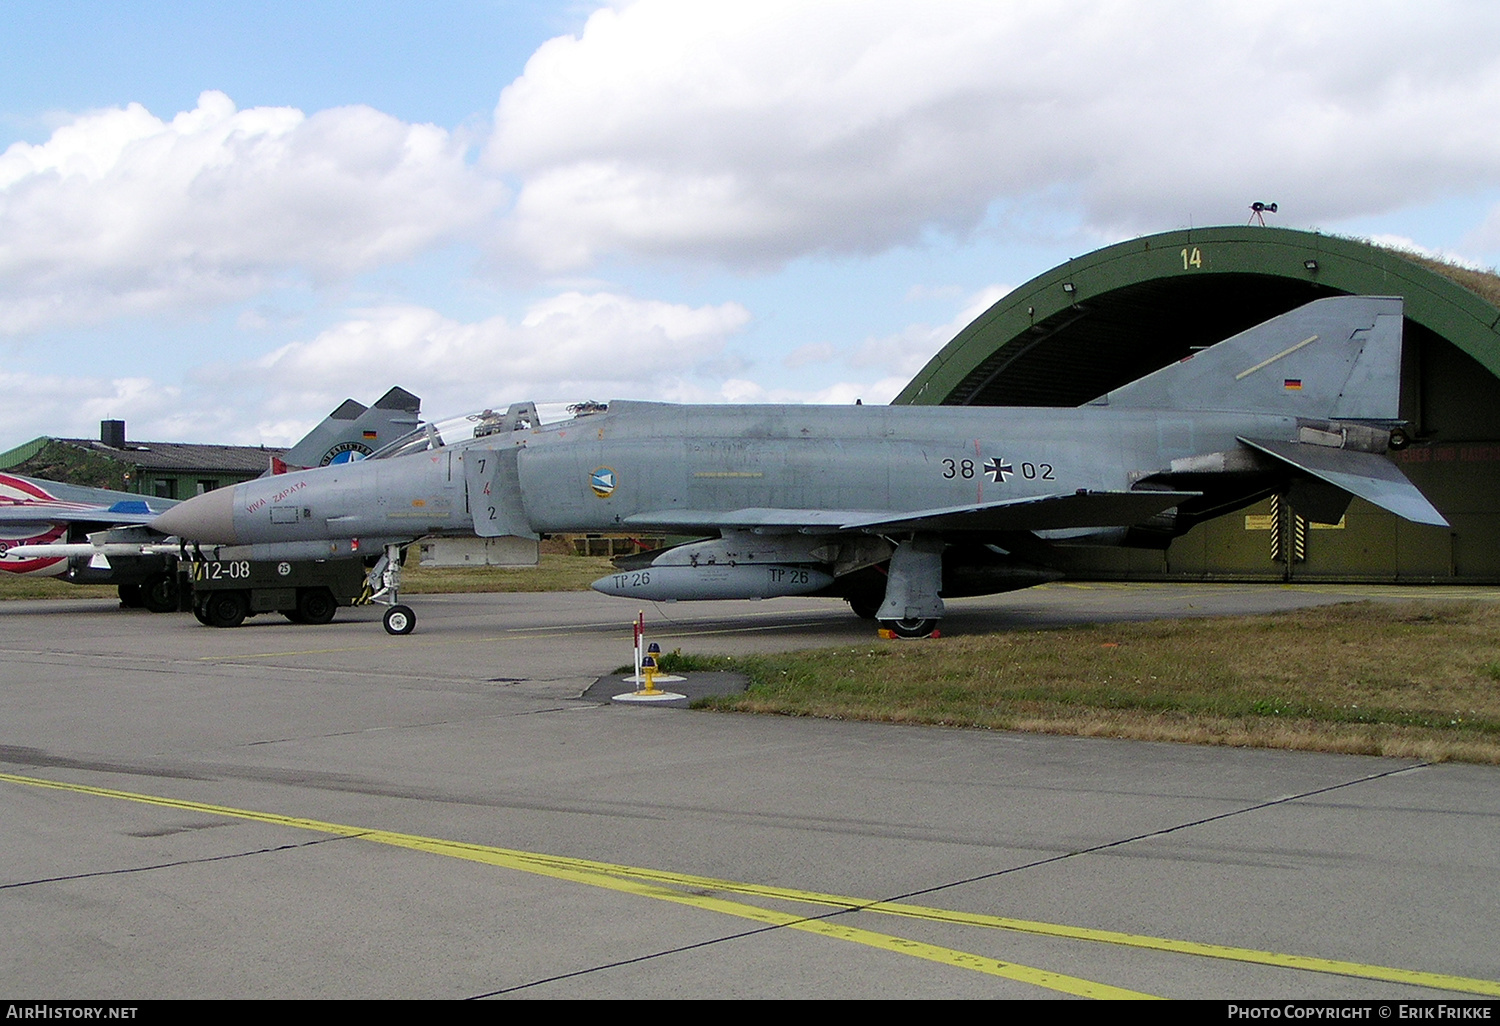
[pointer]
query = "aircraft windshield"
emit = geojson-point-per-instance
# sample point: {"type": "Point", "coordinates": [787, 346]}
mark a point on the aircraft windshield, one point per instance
{"type": "Point", "coordinates": [519, 416]}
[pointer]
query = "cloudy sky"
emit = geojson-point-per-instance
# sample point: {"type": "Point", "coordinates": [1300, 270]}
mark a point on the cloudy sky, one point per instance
{"type": "Point", "coordinates": [217, 223]}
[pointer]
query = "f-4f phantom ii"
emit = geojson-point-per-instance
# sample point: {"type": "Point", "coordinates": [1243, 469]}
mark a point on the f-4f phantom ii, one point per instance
{"type": "Point", "coordinates": [891, 508]}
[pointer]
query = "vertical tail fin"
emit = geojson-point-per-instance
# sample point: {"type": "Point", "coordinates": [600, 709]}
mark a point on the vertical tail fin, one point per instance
{"type": "Point", "coordinates": [353, 431]}
{"type": "Point", "coordinates": [1337, 358]}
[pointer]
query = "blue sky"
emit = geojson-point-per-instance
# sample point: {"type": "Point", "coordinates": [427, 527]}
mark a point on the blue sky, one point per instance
{"type": "Point", "coordinates": [218, 222]}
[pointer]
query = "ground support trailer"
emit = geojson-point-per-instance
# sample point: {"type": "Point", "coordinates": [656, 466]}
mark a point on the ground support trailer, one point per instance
{"type": "Point", "coordinates": [304, 591]}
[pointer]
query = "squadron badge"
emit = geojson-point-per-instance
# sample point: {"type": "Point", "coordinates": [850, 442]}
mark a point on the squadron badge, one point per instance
{"type": "Point", "coordinates": [602, 481]}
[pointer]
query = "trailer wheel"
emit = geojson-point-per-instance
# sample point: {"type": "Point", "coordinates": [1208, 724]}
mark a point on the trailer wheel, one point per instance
{"type": "Point", "coordinates": [130, 596]}
{"type": "Point", "coordinates": [226, 609]}
{"type": "Point", "coordinates": [316, 605]}
{"type": "Point", "coordinates": [292, 615]}
{"type": "Point", "coordinates": [159, 593]}
{"type": "Point", "coordinates": [400, 620]}
{"type": "Point", "coordinates": [200, 613]}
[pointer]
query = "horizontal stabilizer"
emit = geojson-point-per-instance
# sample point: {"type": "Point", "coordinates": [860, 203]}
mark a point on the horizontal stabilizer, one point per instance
{"type": "Point", "coordinates": [1373, 478]}
{"type": "Point", "coordinates": [1041, 513]}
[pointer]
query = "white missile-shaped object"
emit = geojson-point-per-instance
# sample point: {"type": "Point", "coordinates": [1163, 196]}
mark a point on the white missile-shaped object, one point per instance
{"type": "Point", "coordinates": [68, 550]}
{"type": "Point", "coordinates": [719, 581]}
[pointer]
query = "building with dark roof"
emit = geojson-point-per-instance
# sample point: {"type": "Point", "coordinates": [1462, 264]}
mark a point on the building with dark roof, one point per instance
{"type": "Point", "coordinates": [170, 470]}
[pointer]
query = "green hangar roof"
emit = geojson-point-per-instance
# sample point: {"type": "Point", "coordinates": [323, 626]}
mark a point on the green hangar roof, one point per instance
{"type": "Point", "coordinates": [1111, 316]}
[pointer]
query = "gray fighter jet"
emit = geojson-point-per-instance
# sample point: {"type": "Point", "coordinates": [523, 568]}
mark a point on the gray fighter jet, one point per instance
{"type": "Point", "coordinates": [44, 524]}
{"type": "Point", "coordinates": [891, 508]}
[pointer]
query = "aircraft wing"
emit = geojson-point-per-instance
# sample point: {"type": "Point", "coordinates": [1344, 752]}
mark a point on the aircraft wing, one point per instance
{"type": "Point", "coordinates": [809, 520]}
{"type": "Point", "coordinates": [1373, 478]}
{"type": "Point", "coordinates": [1039, 513]}
{"type": "Point", "coordinates": [25, 500]}
{"type": "Point", "coordinates": [118, 513]}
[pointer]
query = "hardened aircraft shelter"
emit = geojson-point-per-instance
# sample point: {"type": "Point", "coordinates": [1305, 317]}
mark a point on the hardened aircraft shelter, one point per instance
{"type": "Point", "coordinates": [1111, 316]}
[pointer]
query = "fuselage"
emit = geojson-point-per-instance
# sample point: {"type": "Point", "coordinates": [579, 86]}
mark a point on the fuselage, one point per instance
{"type": "Point", "coordinates": [641, 465]}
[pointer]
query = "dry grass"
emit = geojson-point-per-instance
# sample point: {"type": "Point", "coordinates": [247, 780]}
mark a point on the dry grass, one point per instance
{"type": "Point", "coordinates": [1483, 283]}
{"type": "Point", "coordinates": [1418, 680]}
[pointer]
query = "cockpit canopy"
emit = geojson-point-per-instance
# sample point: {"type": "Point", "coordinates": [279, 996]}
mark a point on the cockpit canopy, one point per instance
{"type": "Point", "coordinates": [528, 416]}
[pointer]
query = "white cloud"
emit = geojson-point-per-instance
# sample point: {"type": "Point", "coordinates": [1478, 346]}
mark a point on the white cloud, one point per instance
{"type": "Point", "coordinates": [841, 393]}
{"type": "Point", "coordinates": [71, 406]}
{"type": "Point", "coordinates": [570, 346]}
{"type": "Point", "coordinates": [896, 357]}
{"type": "Point", "coordinates": [1484, 238]}
{"type": "Point", "coordinates": [755, 133]}
{"type": "Point", "coordinates": [879, 366]}
{"type": "Point", "coordinates": [121, 212]}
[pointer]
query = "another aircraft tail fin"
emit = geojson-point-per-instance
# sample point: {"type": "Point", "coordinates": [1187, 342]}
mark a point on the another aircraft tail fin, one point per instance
{"type": "Point", "coordinates": [353, 432]}
{"type": "Point", "coordinates": [1333, 359]}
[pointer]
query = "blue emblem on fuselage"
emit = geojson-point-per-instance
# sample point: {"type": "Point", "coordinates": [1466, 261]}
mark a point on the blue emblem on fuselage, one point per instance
{"type": "Point", "coordinates": [602, 481]}
{"type": "Point", "coordinates": [345, 452]}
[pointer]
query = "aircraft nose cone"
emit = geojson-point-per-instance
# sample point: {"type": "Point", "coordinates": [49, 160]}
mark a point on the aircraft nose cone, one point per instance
{"type": "Point", "coordinates": [203, 518]}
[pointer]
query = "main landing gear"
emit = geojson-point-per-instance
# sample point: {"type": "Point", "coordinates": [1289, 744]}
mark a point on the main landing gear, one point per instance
{"type": "Point", "coordinates": [912, 605]}
{"type": "Point", "coordinates": [912, 627]}
{"type": "Point", "coordinates": [384, 581]}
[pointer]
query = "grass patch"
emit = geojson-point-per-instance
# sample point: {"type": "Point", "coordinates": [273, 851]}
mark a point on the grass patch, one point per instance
{"type": "Point", "coordinates": [13, 587]}
{"type": "Point", "coordinates": [553, 573]}
{"type": "Point", "coordinates": [1411, 679]}
{"type": "Point", "coordinates": [676, 662]}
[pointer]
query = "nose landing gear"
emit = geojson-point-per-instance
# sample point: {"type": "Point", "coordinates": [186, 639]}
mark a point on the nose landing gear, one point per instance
{"type": "Point", "coordinates": [384, 581]}
{"type": "Point", "coordinates": [400, 620]}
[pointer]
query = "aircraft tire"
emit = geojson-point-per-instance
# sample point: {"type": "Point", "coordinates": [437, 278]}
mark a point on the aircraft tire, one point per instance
{"type": "Point", "coordinates": [865, 606]}
{"type": "Point", "coordinates": [910, 628]}
{"type": "Point", "coordinates": [159, 593]}
{"type": "Point", "coordinates": [130, 595]}
{"type": "Point", "coordinates": [226, 608]}
{"type": "Point", "coordinates": [316, 605]}
{"type": "Point", "coordinates": [400, 620]}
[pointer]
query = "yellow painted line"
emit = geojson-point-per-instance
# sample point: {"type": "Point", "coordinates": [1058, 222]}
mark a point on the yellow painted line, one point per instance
{"type": "Point", "coordinates": [1439, 981]}
{"type": "Point", "coordinates": [617, 877]}
{"type": "Point", "coordinates": [599, 875]}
